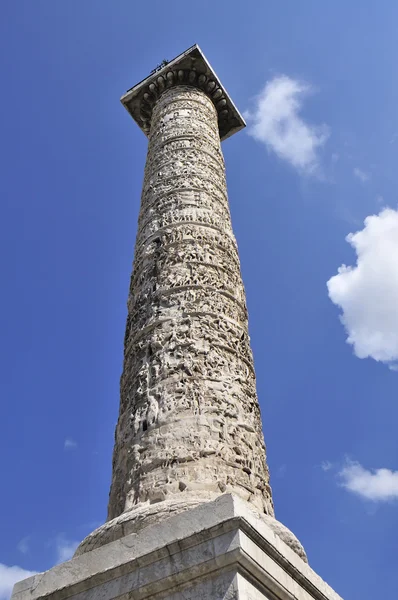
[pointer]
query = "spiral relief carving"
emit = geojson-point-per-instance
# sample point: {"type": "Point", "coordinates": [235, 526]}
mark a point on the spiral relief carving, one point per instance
{"type": "Point", "coordinates": [189, 427]}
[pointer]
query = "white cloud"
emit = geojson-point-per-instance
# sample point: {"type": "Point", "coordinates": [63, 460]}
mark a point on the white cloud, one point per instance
{"type": "Point", "coordinates": [9, 576]}
{"type": "Point", "coordinates": [368, 293]}
{"type": "Point", "coordinates": [69, 444]}
{"type": "Point", "coordinates": [23, 545]}
{"type": "Point", "coordinates": [379, 485]}
{"type": "Point", "coordinates": [361, 175]}
{"type": "Point", "coordinates": [65, 549]}
{"type": "Point", "coordinates": [276, 122]}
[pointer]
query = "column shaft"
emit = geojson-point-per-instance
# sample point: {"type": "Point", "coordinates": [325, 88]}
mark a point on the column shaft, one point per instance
{"type": "Point", "coordinates": [189, 423]}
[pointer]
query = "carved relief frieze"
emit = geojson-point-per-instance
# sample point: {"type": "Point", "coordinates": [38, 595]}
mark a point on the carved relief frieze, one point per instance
{"type": "Point", "coordinates": [189, 420]}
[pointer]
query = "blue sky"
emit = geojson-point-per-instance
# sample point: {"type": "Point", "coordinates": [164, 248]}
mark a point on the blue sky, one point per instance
{"type": "Point", "coordinates": [318, 83]}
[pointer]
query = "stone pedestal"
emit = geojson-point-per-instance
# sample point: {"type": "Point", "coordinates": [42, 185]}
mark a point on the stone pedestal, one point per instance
{"type": "Point", "coordinates": [217, 551]}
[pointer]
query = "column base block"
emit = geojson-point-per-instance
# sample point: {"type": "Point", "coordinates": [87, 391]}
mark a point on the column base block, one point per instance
{"type": "Point", "coordinates": [220, 550]}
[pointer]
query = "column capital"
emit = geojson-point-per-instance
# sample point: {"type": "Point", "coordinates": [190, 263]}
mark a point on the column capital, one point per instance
{"type": "Point", "coordinates": [189, 68]}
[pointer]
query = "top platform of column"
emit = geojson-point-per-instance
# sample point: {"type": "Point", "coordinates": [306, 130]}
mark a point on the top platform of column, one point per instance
{"type": "Point", "coordinates": [189, 68]}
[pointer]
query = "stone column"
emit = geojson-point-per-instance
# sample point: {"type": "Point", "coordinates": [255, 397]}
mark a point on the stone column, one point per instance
{"type": "Point", "coordinates": [190, 509]}
{"type": "Point", "coordinates": [189, 426]}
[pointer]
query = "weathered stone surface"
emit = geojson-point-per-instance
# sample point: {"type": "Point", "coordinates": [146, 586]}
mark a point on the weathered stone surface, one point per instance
{"type": "Point", "coordinates": [221, 550]}
{"type": "Point", "coordinates": [144, 515]}
{"type": "Point", "coordinates": [189, 425]}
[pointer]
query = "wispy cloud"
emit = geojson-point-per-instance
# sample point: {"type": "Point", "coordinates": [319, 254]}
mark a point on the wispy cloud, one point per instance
{"type": "Point", "coordinates": [70, 444]}
{"type": "Point", "coordinates": [379, 485]}
{"type": "Point", "coordinates": [326, 465]}
{"type": "Point", "coordinates": [361, 175]}
{"type": "Point", "coordinates": [281, 471]}
{"type": "Point", "coordinates": [368, 293]}
{"type": "Point", "coordinates": [9, 577]}
{"type": "Point", "coordinates": [65, 548]}
{"type": "Point", "coordinates": [277, 123]}
{"type": "Point", "coordinates": [23, 545]}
